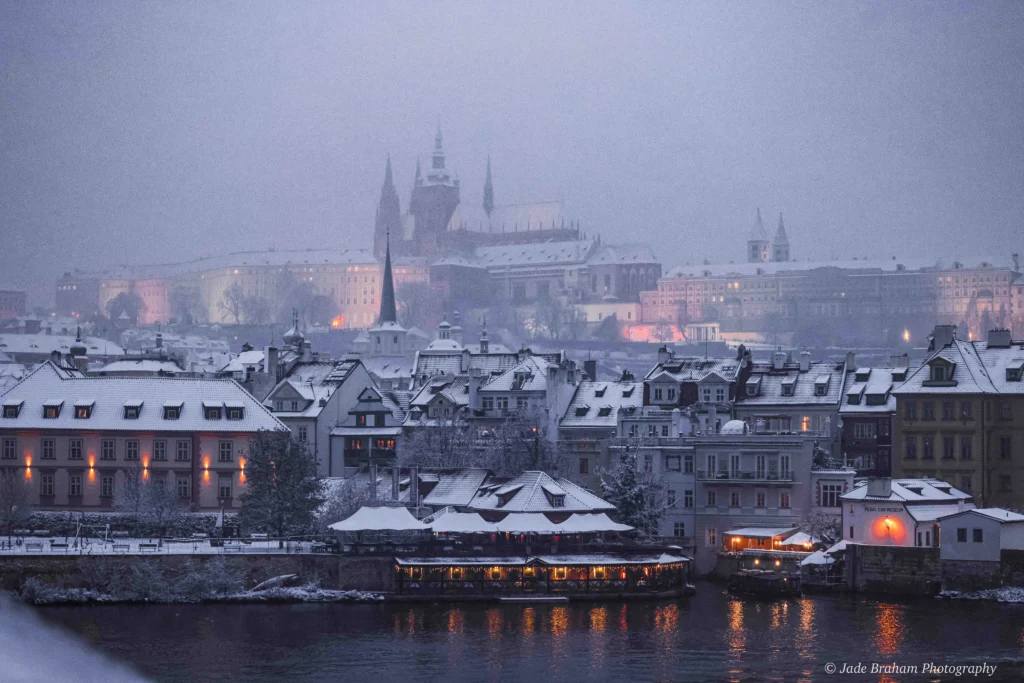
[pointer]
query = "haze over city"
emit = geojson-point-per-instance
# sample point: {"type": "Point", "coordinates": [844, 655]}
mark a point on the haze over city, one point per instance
{"type": "Point", "coordinates": [138, 133]}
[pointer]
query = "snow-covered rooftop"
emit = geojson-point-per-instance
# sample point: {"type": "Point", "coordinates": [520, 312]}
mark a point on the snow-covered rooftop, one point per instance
{"type": "Point", "coordinates": [525, 493]}
{"type": "Point", "coordinates": [925, 490]}
{"type": "Point", "coordinates": [595, 405]}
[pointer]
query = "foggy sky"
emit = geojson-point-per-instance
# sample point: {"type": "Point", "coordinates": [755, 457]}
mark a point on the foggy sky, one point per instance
{"type": "Point", "coordinates": [138, 132]}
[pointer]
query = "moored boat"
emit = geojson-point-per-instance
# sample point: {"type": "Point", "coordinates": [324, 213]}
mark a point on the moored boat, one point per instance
{"type": "Point", "coordinates": [764, 583]}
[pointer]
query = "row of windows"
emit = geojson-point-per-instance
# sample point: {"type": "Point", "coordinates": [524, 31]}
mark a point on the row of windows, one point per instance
{"type": "Point", "coordinates": [75, 451]}
{"type": "Point", "coordinates": [131, 412]}
{"type": "Point", "coordinates": [735, 500]}
{"type": "Point", "coordinates": [948, 448]}
{"type": "Point", "coordinates": [948, 409]}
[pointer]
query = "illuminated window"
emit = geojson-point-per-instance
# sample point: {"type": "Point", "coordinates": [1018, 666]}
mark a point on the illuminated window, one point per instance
{"type": "Point", "coordinates": [805, 424]}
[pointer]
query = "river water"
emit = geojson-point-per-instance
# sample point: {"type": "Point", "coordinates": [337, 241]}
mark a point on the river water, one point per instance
{"type": "Point", "coordinates": [711, 636]}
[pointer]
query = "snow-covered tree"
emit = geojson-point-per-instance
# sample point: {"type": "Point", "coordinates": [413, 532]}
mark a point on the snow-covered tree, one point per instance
{"type": "Point", "coordinates": [446, 445]}
{"type": "Point", "coordinates": [632, 489]}
{"type": "Point", "coordinates": [823, 526]}
{"type": "Point", "coordinates": [148, 501]}
{"type": "Point", "coordinates": [283, 491]}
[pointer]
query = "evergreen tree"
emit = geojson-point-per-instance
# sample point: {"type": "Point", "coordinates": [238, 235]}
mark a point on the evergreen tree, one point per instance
{"type": "Point", "coordinates": [283, 491]}
{"type": "Point", "coordinates": [633, 491]}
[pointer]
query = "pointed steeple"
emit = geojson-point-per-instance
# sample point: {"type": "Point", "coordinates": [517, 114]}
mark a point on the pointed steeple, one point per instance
{"type": "Point", "coordinates": [389, 212]}
{"type": "Point", "coordinates": [388, 312]}
{"type": "Point", "coordinates": [437, 158]}
{"type": "Point", "coordinates": [780, 234]}
{"type": "Point", "coordinates": [419, 175]}
{"type": "Point", "coordinates": [758, 231]}
{"type": "Point", "coordinates": [488, 189]}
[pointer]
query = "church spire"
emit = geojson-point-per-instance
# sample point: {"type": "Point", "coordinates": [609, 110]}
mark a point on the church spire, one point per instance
{"type": "Point", "coordinates": [437, 158]}
{"type": "Point", "coordinates": [389, 212]}
{"type": "Point", "coordinates": [388, 312]}
{"type": "Point", "coordinates": [488, 189]}
{"type": "Point", "coordinates": [780, 245]}
{"type": "Point", "coordinates": [419, 175]}
{"type": "Point", "coordinates": [780, 234]}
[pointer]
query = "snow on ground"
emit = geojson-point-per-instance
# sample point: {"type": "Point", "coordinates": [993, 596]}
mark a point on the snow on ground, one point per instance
{"type": "Point", "coordinates": [147, 546]}
{"type": "Point", "coordinates": [308, 593]}
{"type": "Point", "coordinates": [1009, 594]}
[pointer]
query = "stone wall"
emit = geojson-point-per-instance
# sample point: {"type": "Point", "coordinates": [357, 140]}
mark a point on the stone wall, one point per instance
{"type": "Point", "coordinates": [332, 571]}
{"type": "Point", "coordinates": [893, 569]}
{"type": "Point", "coordinates": [970, 575]}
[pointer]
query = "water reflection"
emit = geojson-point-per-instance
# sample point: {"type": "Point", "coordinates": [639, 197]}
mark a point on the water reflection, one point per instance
{"type": "Point", "coordinates": [598, 636]}
{"type": "Point", "coordinates": [737, 636]}
{"type": "Point", "coordinates": [598, 618]}
{"type": "Point", "coordinates": [666, 618]}
{"type": "Point", "coordinates": [889, 620]}
{"type": "Point", "coordinates": [623, 624]}
{"type": "Point", "coordinates": [455, 620]}
{"type": "Point", "coordinates": [529, 621]}
{"type": "Point", "coordinates": [494, 622]}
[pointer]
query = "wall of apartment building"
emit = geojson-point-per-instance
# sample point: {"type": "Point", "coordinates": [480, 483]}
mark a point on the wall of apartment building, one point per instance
{"type": "Point", "coordinates": [49, 473]}
{"type": "Point", "coordinates": [915, 421]}
{"type": "Point", "coordinates": [1005, 448]}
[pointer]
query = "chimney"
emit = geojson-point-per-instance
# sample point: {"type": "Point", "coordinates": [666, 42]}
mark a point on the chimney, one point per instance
{"type": "Point", "coordinates": [523, 354]}
{"type": "Point", "coordinates": [590, 369]}
{"type": "Point", "coordinates": [900, 361]}
{"type": "Point", "coordinates": [942, 336]}
{"type": "Point", "coordinates": [880, 487]}
{"type": "Point", "coordinates": [851, 361]}
{"type": "Point", "coordinates": [999, 339]}
{"type": "Point", "coordinates": [464, 362]}
{"type": "Point", "coordinates": [664, 355]}
{"type": "Point", "coordinates": [270, 357]}
{"type": "Point", "coordinates": [307, 351]}
{"type": "Point", "coordinates": [55, 357]}
{"type": "Point", "coordinates": [159, 340]}
{"type": "Point", "coordinates": [805, 361]}
{"type": "Point", "coordinates": [476, 380]}
{"type": "Point", "coordinates": [778, 360]}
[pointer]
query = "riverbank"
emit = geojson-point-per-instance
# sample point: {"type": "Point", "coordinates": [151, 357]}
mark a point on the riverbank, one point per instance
{"type": "Point", "coordinates": [1007, 594]}
{"type": "Point", "coordinates": [43, 595]}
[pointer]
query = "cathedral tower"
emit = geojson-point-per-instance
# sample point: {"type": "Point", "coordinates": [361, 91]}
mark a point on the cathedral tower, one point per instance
{"type": "Point", "coordinates": [433, 201]}
{"type": "Point", "coordinates": [389, 214]}
{"type": "Point", "coordinates": [758, 247]}
{"type": "Point", "coordinates": [780, 245]}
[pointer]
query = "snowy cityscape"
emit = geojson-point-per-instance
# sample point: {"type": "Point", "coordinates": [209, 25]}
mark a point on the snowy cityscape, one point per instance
{"type": "Point", "coordinates": [696, 354]}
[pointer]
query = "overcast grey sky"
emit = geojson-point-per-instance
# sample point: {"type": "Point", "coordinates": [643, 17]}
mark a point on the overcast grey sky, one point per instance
{"type": "Point", "coordinates": [163, 130]}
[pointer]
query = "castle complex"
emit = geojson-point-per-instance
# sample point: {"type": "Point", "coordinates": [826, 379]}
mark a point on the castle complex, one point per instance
{"type": "Point", "coordinates": [466, 257]}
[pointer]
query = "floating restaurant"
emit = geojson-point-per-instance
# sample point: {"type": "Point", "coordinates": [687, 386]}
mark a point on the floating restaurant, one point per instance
{"type": "Point", "coordinates": [580, 576]}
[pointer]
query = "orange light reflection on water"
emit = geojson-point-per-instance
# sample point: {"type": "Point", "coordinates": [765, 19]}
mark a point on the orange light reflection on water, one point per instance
{"type": "Point", "coordinates": [890, 629]}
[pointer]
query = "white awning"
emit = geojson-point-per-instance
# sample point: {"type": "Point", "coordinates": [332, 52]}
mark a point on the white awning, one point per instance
{"type": "Point", "coordinates": [800, 538]}
{"type": "Point", "coordinates": [817, 557]}
{"type": "Point", "coordinates": [838, 547]}
{"type": "Point", "coordinates": [462, 523]}
{"type": "Point", "coordinates": [587, 523]}
{"type": "Point", "coordinates": [380, 519]}
{"type": "Point", "coordinates": [528, 523]}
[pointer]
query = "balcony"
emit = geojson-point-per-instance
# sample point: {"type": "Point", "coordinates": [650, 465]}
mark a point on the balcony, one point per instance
{"type": "Point", "coordinates": [746, 477]}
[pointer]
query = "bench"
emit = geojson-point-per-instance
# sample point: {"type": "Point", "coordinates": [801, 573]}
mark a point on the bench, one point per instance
{"type": "Point", "coordinates": [234, 547]}
{"type": "Point", "coordinates": [41, 532]}
{"type": "Point", "coordinates": [200, 535]}
{"type": "Point", "coordinates": [34, 547]}
{"type": "Point", "coordinates": [147, 547]}
{"type": "Point", "coordinates": [121, 547]}
{"type": "Point", "coordinates": [259, 537]}
{"type": "Point", "coordinates": [54, 545]}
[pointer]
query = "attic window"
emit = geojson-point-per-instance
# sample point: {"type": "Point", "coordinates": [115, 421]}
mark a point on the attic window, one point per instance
{"type": "Point", "coordinates": [821, 385]}
{"type": "Point", "coordinates": [83, 409]}
{"type": "Point", "coordinates": [236, 413]}
{"type": "Point", "coordinates": [172, 412]}
{"type": "Point", "coordinates": [582, 411]}
{"type": "Point", "coordinates": [211, 411]}
{"type": "Point", "coordinates": [626, 393]}
{"type": "Point", "coordinates": [132, 410]}
{"type": "Point", "coordinates": [1015, 370]}
{"type": "Point", "coordinates": [599, 392]}
{"type": "Point", "coordinates": [789, 386]}
{"type": "Point", "coordinates": [605, 411]}
{"type": "Point", "coordinates": [51, 409]}
{"type": "Point", "coordinates": [11, 410]}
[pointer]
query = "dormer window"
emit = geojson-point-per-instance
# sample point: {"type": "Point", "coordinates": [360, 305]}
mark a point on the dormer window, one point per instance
{"type": "Point", "coordinates": [172, 411]}
{"type": "Point", "coordinates": [558, 501]}
{"type": "Point", "coordinates": [236, 413]}
{"type": "Point", "coordinates": [51, 409]}
{"type": "Point", "coordinates": [1015, 370]}
{"type": "Point", "coordinates": [821, 385]}
{"type": "Point", "coordinates": [212, 411]}
{"type": "Point", "coordinates": [605, 411]}
{"type": "Point", "coordinates": [11, 410]}
{"type": "Point", "coordinates": [789, 386]}
{"type": "Point", "coordinates": [582, 411]}
{"type": "Point", "coordinates": [132, 409]}
{"type": "Point", "coordinates": [83, 410]}
{"type": "Point", "coordinates": [941, 373]}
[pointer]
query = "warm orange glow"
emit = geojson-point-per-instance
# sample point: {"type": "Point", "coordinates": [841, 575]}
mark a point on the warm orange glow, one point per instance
{"type": "Point", "coordinates": [757, 561]}
{"type": "Point", "coordinates": [206, 462]}
{"type": "Point", "coordinates": [145, 475]}
{"type": "Point", "coordinates": [92, 460]}
{"type": "Point", "coordinates": [906, 335]}
{"type": "Point", "coordinates": [206, 476]}
{"type": "Point", "coordinates": [28, 474]}
{"type": "Point", "coordinates": [889, 530]}
{"type": "Point", "coordinates": [338, 322]}
{"type": "Point", "coordinates": [241, 478]}
{"type": "Point", "coordinates": [241, 463]}
{"type": "Point", "coordinates": [778, 562]}
{"type": "Point", "coordinates": [145, 461]}
{"type": "Point", "coordinates": [28, 460]}
{"type": "Point", "coordinates": [92, 475]}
